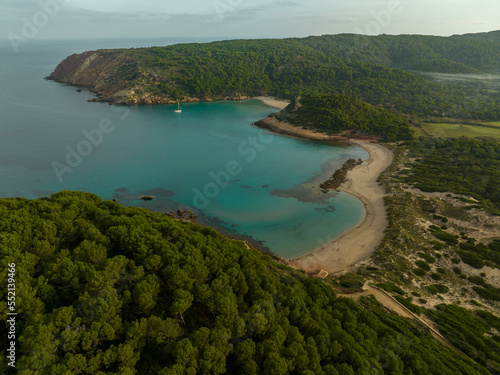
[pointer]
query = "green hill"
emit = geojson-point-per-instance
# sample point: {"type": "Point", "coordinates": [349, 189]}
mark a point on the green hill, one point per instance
{"type": "Point", "coordinates": [338, 113]}
{"type": "Point", "coordinates": [492, 35]}
{"type": "Point", "coordinates": [376, 70]}
{"type": "Point", "coordinates": [472, 53]}
{"type": "Point", "coordinates": [104, 289]}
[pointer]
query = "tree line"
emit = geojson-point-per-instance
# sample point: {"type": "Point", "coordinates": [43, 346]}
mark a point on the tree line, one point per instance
{"type": "Point", "coordinates": [376, 70]}
{"type": "Point", "coordinates": [105, 289]}
{"type": "Point", "coordinates": [338, 113]}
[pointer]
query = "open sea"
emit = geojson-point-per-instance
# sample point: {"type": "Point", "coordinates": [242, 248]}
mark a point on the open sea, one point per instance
{"type": "Point", "coordinates": [209, 159]}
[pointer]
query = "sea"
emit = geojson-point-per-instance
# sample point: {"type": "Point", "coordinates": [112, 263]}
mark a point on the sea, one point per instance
{"type": "Point", "coordinates": [210, 159]}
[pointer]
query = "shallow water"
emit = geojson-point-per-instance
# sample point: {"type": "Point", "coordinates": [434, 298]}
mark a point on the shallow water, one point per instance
{"type": "Point", "coordinates": [208, 158]}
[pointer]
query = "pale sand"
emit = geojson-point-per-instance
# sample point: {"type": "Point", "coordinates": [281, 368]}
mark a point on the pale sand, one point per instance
{"type": "Point", "coordinates": [272, 102]}
{"type": "Point", "coordinates": [352, 247]}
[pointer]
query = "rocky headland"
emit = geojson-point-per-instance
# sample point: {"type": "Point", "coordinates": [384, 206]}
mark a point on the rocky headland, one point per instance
{"type": "Point", "coordinates": [119, 77]}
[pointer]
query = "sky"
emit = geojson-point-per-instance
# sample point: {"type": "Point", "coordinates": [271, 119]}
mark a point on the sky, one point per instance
{"type": "Point", "coordinates": [87, 19]}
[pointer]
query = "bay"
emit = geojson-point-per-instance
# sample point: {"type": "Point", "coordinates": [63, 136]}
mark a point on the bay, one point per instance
{"type": "Point", "coordinates": [209, 159]}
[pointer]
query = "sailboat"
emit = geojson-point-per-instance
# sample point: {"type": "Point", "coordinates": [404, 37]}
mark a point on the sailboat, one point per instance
{"type": "Point", "coordinates": [178, 110]}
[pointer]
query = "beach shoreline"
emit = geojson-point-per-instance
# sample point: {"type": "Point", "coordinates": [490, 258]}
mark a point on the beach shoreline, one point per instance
{"type": "Point", "coordinates": [356, 244]}
{"type": "Point", "coordinates": [273, 102]}
{"type": "Point", "coordinates": [342, 254]}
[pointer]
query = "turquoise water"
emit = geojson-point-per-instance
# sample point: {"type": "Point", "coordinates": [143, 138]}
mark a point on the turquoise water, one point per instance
{"type": "Point", "coordinates": [209, 158]}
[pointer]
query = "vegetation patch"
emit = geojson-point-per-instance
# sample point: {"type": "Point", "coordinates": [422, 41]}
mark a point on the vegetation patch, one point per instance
{"type": "Point", "coordinates": [350, 281]}
{"type": "Point", "coordinates": [471, 259]}
{"type": "Point", "coordinates": [406, 302]}
{"type": "Point", "coordinates": [391, 288]}
{"type": "Point", "coordinates": [436, 276]}
{"type": "Point", "coordinates": [469, 332]}
{"type": "Point", "coordinates": [427, 257]}
{"type": "Point", "coordinates": [423, 265]}
{"type": "Point", "coordinates": [444, 236]}
{"type": "Point", "coordinates": [488, 292]}
{"type": "Point", "coordinates": [464, 166]}
{"type": "Point", "coordinates": [419, 272]}
{"type": "Point", "coordinates": [490, 253]}
{"type": "Point", "coordinates": [437, 288]}
{"type": "Point", "coordinates": [477, 280]}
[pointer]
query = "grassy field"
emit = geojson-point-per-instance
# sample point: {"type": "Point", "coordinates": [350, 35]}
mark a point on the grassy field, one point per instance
{"type": "Point", "coordinates": [419, 132]}
{"type": "Point", "coordinates": [458, 130]}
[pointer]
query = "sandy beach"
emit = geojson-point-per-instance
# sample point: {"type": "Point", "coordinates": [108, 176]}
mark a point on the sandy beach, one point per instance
{"type": "Point", "coordinates": [273, 102]}
{"type": "Point", "coordinates": [352, 247]}
{"type": "Point", "coordinates": [359, 243]}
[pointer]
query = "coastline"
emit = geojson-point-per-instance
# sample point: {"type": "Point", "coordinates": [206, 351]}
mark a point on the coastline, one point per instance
{"type": "Point", "coordinates": [273, 102]}
{"type": "Point", "coordinates": [343, 253]}
{"type": "Point", "coordinates": [271, 123]}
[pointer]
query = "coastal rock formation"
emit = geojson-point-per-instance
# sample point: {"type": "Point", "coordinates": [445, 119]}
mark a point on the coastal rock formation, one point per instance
{"type": "Point", "coordinates": [340, 176]}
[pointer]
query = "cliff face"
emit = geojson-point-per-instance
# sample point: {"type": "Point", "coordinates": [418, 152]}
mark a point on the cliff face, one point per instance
{"type": "Point", "coordinates": [88, 68]}
{"type": "Point", "coordinates": [110, 74]}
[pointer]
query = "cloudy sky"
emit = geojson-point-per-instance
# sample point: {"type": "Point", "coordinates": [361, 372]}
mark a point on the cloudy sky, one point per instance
{"type": "Point", "coordinates": [68, 19]}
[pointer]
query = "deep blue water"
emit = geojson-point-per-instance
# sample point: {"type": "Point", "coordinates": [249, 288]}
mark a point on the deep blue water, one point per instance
{"type": "Point", "coordinates": [209, 158]}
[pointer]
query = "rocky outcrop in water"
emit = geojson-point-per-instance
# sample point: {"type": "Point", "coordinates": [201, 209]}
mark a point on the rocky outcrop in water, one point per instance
{"type": "Point", "coordinates": [340, 176]}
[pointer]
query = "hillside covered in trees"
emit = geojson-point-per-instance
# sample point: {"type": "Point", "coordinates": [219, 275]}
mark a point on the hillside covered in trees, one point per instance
{"type": "Point", "coordinates": [376, 70]}
{"type": "Point", "coordinates": [104, 289]}
{"type": "Point", "coordinates": [338, 113]}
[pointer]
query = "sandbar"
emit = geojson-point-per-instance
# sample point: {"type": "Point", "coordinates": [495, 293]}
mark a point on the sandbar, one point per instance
{"type": "Point", "coordinates": [273, 102]}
